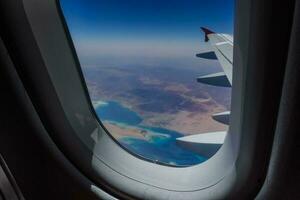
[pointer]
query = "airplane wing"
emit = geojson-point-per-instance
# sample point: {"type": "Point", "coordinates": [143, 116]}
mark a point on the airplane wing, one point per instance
{"type": "Point", "coordinates": [207, 144]}
{"type": "Point", "coordinates": [222, 49]}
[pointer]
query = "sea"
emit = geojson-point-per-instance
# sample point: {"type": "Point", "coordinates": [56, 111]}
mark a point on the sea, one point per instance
{"type": "Point", "coordinates": [159, 144]}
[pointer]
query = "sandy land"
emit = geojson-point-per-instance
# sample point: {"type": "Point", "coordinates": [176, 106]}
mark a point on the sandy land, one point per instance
{"type": "Point", "coordinates": [195, 124]}
{"type": "Point", "coordinates": [185, 122]}
{"type": "Point", "coordinates": [177, 88]}
{"type": "Point", "coordinates": [119, 132]}
{"type": "Point", "coordinates": [97, 104]}
{"type": "Point", "coordinates": [188, 123]}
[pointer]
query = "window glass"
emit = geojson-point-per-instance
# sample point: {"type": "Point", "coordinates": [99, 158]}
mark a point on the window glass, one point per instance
{"type": "Point", "coordinates": [151, 73]}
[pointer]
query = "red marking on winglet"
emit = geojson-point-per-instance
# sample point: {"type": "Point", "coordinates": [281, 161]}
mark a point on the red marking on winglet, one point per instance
{"type": "Point", "coordinates": [207, 32]}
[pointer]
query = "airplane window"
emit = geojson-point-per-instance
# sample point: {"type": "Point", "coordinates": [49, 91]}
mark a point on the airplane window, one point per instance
{"type": "Point", "coordinates": [158, 73]}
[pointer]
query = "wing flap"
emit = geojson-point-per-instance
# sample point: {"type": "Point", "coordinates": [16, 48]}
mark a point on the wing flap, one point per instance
{"type": "Point", "coordinates": [207, 55]}
{"type": "Point", "coordinates": [216, 79]}
{"type": "Point", "coordinates": [222, 117]}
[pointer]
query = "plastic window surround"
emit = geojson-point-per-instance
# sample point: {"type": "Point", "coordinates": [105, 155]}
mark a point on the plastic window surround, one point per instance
{"type": "Point", "coordinates": [216, 178]}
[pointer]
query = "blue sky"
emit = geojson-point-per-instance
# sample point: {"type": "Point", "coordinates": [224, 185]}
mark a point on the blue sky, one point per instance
{"type": "Point", "coordinates": [125, 30]}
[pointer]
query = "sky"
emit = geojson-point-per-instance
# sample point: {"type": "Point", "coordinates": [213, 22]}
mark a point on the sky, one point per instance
{"type": "Point", "coordinates": [115, 32]}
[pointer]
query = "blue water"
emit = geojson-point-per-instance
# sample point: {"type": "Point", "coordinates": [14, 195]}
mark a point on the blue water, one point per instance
{"type": "Point", "coordinates": [113, 111]}
{"type": "Point", "coordinates": [160, 144]}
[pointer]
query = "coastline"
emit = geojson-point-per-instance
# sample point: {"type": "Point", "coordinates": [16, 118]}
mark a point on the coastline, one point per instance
{"type": "Point", "coordinates": [182, 122]}
{"type": "Point", "coordinates": [97, 104]}
{"type": "Point", "coordinates": [118, 131]}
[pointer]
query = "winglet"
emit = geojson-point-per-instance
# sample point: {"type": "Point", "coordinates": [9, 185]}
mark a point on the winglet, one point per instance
{"type": "Point", "coordinates": [206, 32]}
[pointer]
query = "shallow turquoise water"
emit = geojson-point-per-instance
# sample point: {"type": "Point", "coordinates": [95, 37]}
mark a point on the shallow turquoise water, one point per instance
{"type": "Point", "coordinates": [161, 143]}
